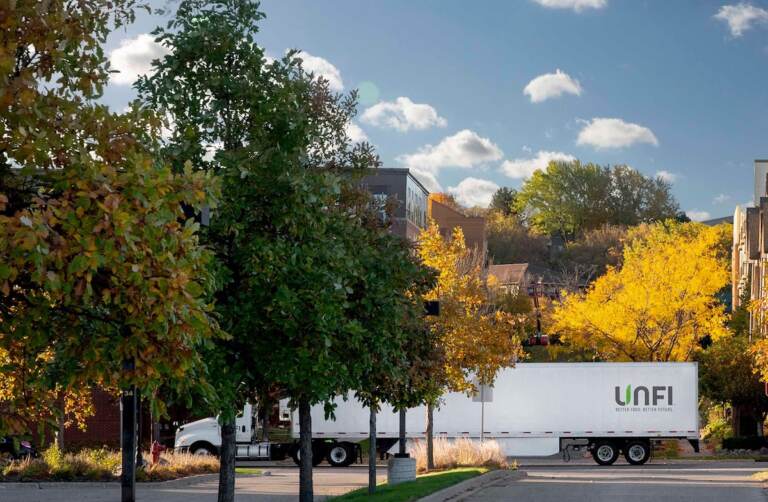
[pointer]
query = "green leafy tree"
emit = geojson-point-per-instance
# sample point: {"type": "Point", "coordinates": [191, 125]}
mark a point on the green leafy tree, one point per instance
{"type": "Point", "coordinates": [302, 277]}
{"type": "Point", "coordinates": [509, 241]}
{"type": "Point", "coordinates": [570, 197]}
{"type": "Point", "coordinates": [504, 201]}
{"type": "Point", "coordinates": [728, 374]}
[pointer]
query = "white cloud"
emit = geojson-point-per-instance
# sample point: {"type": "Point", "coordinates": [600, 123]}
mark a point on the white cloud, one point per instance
{"type": "Point", "coordinates": [322, 68]}
{"type": "Point", "coordinates": [614, 133]}
{"type": "Point", "coordinates": [133, 58]}
{"type": "Point", "coordinates": [667, 176]}
{"type": "Point", "coordinates": [741, 17]}
{"type": "Point", "coordinates": [697, 215]}
{"type": "Point", "coordinates": [524, 168]}
{"type": "Point", "coordinates": [721, 198]}
{"type": "Point", "coordinates": [464, 149]}
{"type": "Point", "coordinates": [355, 133]}
{"type": "Point", "coordinates": [576, 5]}
{"type": "Point", "coordinates": [552, 85]}
{"type": "Point", "coordinates": [471, 192]}
{"type": "Point", "coordinates": [403, 115]}
{"type": "Point", "coordinates": [428, 178]}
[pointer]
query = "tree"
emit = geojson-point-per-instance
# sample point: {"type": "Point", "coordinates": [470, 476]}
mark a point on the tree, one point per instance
{"type": "Point", "coordinates": [570, 197]}
{"type": "Point", "coordinates": [590, 255]}
{"type": "Point", "coordinates": [102, 275]}
{"type": "Point", "coordinates": [660, 304]}
{"type": "Point", "coordinates": [388, 305]}
{"type": "Point", "coordinates": [509, 241]}
{"type": "Point", "coordinates": [302, 276]}
{"type": "Point", "coordinates": [477, 339]}
{"type": "Point", "coordinates": [504, 200]}
{"type": "Point", "coordinates": [728, 376]}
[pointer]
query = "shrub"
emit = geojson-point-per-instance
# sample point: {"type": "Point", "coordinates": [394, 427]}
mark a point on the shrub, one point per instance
{"type": "Point", "coordinates": [745, 443]}
{"type": "Point", "coordinates": [717, 429]}
{"type": "Point", "coordinates": [462, 452]}
{"type": "Point", "coordinates": [667, 449]}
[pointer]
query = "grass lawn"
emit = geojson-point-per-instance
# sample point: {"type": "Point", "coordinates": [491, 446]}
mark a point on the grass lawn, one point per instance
{"type": "Point", "coordinates": [247, 470]}
{"type": "Point", "coordinates": [413, 490]}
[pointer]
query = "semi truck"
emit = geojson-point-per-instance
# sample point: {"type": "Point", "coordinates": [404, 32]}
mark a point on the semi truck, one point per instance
{"type": "Point", "coordinates": [532, 409]}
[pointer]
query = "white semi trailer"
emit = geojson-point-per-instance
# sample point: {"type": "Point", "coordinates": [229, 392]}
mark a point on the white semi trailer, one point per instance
{"type": "Point", "coordinates": [533, 409]}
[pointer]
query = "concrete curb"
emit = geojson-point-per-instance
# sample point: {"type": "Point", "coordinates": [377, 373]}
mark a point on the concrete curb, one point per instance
{"type": "Point", "coordinates": [460, 491]}
{"type": "Point", "coordinates": [171, 483]}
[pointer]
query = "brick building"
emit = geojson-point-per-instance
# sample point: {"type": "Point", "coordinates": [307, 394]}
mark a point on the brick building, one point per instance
{"type": "Point", "coordinates": [750, 248]}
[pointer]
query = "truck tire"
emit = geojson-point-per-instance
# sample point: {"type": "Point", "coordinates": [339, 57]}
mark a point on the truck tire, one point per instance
{"type": "Point", "coordinates": [605, 452]}
{"type": "Point", "coordinates": [317, 457]}
{"type": "Point", "coordinates": [637, 452]}
{"type": "Point", "coordinates": [203, 448]}
{"type": "Point", "coordinates": [338, 455]}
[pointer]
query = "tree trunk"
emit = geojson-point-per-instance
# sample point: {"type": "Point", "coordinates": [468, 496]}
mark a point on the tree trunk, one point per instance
{"type": "Point", "coordinates": [227, 461]}
{"type": "Point", "coordinates": [401, 451]}
{"type": "Point", "coordinates": [265, 411]}
{"type": "Point", "coordinates": [372, 451]}
{"type": "Point", "coordinates": [60, 431]}
{"type": "Point", "coordinates": [430, 442]}
{"type": "Point", "coordinates": [306, 492]}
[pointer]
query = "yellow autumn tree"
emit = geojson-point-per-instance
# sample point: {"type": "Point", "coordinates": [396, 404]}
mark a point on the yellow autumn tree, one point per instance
{"type": "Point", "coordinates": [477, 338]}
{"type": "Point", "coordinates": [660, 303]}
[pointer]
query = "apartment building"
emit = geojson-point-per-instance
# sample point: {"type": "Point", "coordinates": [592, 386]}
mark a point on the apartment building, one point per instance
{"type": "Point", "coordinates": [750, 248]}
{"type": "Point", "coordinates": [410, 196]}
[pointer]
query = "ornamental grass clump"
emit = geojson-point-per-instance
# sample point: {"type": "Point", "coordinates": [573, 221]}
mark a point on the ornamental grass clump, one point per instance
{"type": "Point", "coordinates": [103, 465]}
{"type": "Point", "coordinates": [462, 452]}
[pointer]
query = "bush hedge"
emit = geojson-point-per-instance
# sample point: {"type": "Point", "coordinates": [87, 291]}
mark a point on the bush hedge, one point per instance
{"type": "Point", "coordinates": [745, 443]}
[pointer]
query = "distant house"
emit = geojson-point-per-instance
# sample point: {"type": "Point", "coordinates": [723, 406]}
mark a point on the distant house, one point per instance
{"type": "Point", "coordinates": [511, 277]}
{"type": "Point", "coordinates": [533, 280]}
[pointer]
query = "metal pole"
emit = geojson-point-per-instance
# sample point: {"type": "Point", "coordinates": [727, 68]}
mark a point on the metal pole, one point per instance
{"type": "Point", "coordinates": [128, 438]}
{"type": "Point", "coordinates": [482, 412]}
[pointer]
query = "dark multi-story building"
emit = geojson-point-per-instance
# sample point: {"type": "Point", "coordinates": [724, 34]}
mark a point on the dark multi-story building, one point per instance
{"type": "Point", "coordinates": [409, 195]}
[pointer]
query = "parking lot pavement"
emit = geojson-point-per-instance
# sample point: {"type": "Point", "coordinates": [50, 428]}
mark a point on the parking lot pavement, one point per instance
{"type": "Point", "coordinates": [281, 485]}
{"type": "Point", "coordinates": [668, 481]}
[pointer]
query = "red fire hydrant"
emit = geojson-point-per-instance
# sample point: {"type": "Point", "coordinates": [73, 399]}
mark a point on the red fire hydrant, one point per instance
{"type": "Point", "coordinates": [157, 449]}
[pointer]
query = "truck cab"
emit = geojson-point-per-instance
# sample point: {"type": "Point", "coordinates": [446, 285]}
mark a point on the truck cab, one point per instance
{"type": "Point", "coordinates": [203, 437]}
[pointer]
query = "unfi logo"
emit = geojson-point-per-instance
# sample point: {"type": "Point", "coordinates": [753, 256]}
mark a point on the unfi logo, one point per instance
{"type": "Point", "coordinates": [643, 396]}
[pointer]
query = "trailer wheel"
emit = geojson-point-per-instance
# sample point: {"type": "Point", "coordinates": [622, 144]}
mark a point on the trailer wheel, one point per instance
{"type": "Point", "coordinates": [338, 455]}
{"type": "Point", "coordinates": [637, 452]}
{"type": "Point", "coordinates": [605, 452]}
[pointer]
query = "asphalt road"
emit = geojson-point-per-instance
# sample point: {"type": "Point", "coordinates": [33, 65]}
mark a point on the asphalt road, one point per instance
{"type": "Point", "coordinates": [545, 480]}
{"type": "Point", "coordinates": [675, 481]}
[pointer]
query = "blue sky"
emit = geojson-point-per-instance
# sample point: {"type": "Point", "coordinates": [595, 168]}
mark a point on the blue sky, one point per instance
{"type": "Point", "coordinates": [671, 87]}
